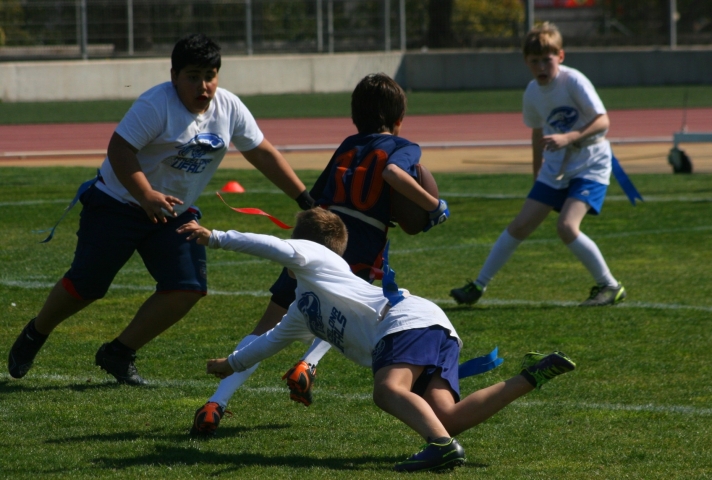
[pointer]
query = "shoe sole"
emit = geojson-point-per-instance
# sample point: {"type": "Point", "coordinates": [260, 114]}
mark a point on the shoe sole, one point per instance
{"type": "Point", "coordinates": [449, 465]}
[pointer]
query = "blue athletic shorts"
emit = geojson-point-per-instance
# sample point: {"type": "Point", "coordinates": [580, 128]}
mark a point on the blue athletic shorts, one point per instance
{"type": "Point", "coordinates": [109, 233]}
{"type": "Point", "coordinates": [431, 347]}
{"type": "Point", "coordinates": [588, 191]}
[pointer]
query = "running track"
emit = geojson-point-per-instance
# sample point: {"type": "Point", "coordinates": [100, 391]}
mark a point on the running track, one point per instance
{"type": "Point", "coordinates": [494, 129]}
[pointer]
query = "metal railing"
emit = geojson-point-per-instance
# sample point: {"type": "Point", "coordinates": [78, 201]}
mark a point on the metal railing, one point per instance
{"type": "Point", "coordinates": [31, 29]}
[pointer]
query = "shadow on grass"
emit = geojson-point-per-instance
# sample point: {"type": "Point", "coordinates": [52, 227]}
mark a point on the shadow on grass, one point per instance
{"type": "Point", "coordinates": [504, 307]}
{"type": "Point", "coordinates": [171, 455]}
{"type": "Point", "coordinates": [18, 386]}
{"type": "Point", "coordinates": [130, 436]}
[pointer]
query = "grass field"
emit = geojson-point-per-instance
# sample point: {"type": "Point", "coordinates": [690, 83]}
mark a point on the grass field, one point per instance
{"type": "Point", "coordinates": [638, 405]}
{"type": "Point", "coordinates": [337, 104]}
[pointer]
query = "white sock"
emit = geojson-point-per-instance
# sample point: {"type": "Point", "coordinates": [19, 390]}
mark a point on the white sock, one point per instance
{"type": "Point", "coordinates": [228, 386]}
{"type": "Point", "coordinates": [317, 350]}
{"type": "Point", "coordinates": [503, 248]}
{"type": "Point", "coordinates": [588, 253]}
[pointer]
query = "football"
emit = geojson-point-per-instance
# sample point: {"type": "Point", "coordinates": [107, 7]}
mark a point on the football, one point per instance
{"type": "Point", "coordinates": [409, 216]}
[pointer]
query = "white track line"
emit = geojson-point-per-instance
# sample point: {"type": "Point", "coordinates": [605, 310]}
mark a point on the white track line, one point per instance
{"type": "Point", "coordinates": [35, 285]}
{"type": "Point", "coordinates": [610, 407]}
{"type": "Point", "coordinates": [474, 195]}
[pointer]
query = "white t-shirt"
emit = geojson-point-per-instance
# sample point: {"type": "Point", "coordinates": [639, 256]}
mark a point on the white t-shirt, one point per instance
{"type": "Point", "coordinates": [179, 151]}
{"type": "Point", "coordinates": [331, 302]}
{"type": "Point", "coordinates": [567, 103]}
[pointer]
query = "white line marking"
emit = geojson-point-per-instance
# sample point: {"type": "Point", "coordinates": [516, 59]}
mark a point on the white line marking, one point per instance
{"type": "Point", "coordinates": [610, 407]}
{"type": "Point", "coordinates": [475, 195]}
{"type": "Point", "coordinates": [34, 285]}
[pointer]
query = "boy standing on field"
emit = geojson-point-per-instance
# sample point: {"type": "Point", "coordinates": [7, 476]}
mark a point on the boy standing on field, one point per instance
{"type": "Point", "coordinates": [160, 158]}
{"type": "Point", "coordinates": [356, 185]}
{"type": "Point", "coordinates": [572, 166]}
{"type": "Point", "coordinates": [409, 343]}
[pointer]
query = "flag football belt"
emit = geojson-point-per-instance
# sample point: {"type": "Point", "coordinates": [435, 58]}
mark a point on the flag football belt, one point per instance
{"type": "Point", "coordinates": [356, 214]}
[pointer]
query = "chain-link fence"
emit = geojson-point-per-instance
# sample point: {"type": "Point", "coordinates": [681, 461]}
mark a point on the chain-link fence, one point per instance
{"type": "Point", "coordinates": [31, 29]}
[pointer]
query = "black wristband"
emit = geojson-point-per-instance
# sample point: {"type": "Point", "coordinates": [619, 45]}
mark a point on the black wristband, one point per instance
{"type": "Point", "coordinates": [305, 201]}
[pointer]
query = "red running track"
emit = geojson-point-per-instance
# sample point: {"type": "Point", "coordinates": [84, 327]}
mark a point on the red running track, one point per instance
{"type": "Point", "coordinates": [653, 125]}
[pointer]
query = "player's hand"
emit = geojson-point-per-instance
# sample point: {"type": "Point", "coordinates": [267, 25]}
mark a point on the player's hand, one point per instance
{"type": "Point", "coordinates": [195, 231]}
{"type": "Point", "coordinates": [555, 142]}
{"type": "Point", "coordinates": [438, 216]}
{"type": "Point", "coordinates": [305, 201]}
{"type": "Point", "coordinates": [219, 367]}
{"type": "Point", "coordinates": [156, 205]}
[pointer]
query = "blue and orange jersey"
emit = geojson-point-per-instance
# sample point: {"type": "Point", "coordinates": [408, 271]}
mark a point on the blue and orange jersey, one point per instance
{"type": "Point", "coordinates": [353, 179]}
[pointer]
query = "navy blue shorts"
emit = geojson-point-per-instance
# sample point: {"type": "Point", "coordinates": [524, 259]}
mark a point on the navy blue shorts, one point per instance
{"type": "Point", "coordinates": [590, 192]}
{"type": "Point", "coordinates": [109, 233]}
{"type": "Point", "coordinates": [431, 347]}
{"type": "Point", "coordinates": [361, 255]}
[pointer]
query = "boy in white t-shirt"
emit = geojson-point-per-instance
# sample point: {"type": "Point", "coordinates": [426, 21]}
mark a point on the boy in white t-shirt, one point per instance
{"type": "Point", "coordinates": [160, 158]}
{"type": "Point", "coordinates": [572, 167]}
{"type": "Point", "coordinates": [409, 343]}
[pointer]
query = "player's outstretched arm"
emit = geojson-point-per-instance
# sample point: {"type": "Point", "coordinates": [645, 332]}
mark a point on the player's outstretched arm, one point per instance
{"type": "Point", "coordinates": [195, 231]}
{"type": "Point", "coordinates": [267, 159]}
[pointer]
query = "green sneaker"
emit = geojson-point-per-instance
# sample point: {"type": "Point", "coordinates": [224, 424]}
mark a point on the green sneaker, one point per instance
{"type": "Point", "coordinates": [469, 294]}
{"type": "Point", "coordinates": [440, 454]}
{"type": "Point", "coordinates": [538, 368]}
{"type": "Point", "coordinates": [532, 358]}
{"type": "Point", "coordinates": [601, 296]}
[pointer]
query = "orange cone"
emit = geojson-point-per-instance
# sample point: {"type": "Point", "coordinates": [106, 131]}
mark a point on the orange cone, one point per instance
{"type": "Point", "coordinates": [232, 187]}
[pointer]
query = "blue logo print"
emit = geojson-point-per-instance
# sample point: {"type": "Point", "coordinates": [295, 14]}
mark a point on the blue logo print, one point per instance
{"type": "Point", "coordinates": [562, 119]}
{"type": "Point", "coordinates": [310, 307]}
{"type": "Point", "coordinates": [190, 155]}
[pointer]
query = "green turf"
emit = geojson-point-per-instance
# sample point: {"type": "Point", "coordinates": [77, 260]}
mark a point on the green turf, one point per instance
{"type": "Point", "coordinates": [638, 405]}
{"type": "Point", "coordinates": [338, 104]}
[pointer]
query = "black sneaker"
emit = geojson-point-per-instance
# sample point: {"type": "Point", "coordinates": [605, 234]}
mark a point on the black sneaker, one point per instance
{"type": "Point", "coordinates": [470, 293]}
{"type": "Point", "coordinates": [434, 456]}
{"type": "Point", "coordinates": [119, 364]}
{"type": "Point", "coordinates": [24, 350]}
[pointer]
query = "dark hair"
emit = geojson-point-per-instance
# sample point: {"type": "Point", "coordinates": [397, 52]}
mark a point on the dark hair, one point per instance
{"type": "Point", "coordinates": [377, 103]}
{"type": "Point", "coordinates": [544, 39]}
{"type": "Point", "coordinates": [195, 49]}
{"type": "Point", "coordinates": [323, 227]}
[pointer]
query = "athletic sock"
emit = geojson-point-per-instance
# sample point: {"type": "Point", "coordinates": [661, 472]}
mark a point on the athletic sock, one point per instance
{"type": "Point", "coordinates": [590, 256]}
{"type": "Point", "coordinates": [228, 386]}
{"type": "Point", "coordinates": [33, 331]}
{"type": "Point", "coordinates": [503, 248]}
{"type": "Point", "coordinates": [117, 347]}
{"type": "Point", "coordinates": [317, 350]}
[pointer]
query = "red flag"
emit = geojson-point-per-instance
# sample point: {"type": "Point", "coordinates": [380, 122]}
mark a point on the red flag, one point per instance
{"type": "Point", "coordinates": [256, 211]}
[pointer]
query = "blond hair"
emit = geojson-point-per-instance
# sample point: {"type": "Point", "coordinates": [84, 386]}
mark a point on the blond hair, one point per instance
{"type": "Point", "coordinates": [544, 39]}
{"type": "Point", "coordinates": [323, 227]}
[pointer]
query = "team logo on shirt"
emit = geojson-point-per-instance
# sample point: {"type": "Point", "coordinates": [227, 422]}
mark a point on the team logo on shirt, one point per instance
{"type": "Point", "coordinates": [194, 156]}
{"type": "Point", "coordinates": [562, 119]}
{"type": "Point", "coordinates": [310, 307]}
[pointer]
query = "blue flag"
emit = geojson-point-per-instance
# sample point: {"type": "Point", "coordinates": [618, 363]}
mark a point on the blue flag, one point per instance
{"type": "Point", "coordinates": [82, 188]}
{"type": "Point", "coordinates": [623, 180]}
{"type": "Point", "coordinates": [478, 365]}
{"type": "Point", "coordinates": [388, 282]}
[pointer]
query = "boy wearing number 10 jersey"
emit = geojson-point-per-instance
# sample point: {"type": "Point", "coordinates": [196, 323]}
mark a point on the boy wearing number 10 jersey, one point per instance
{"type": "Point", "coordinates": [356, 185]}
